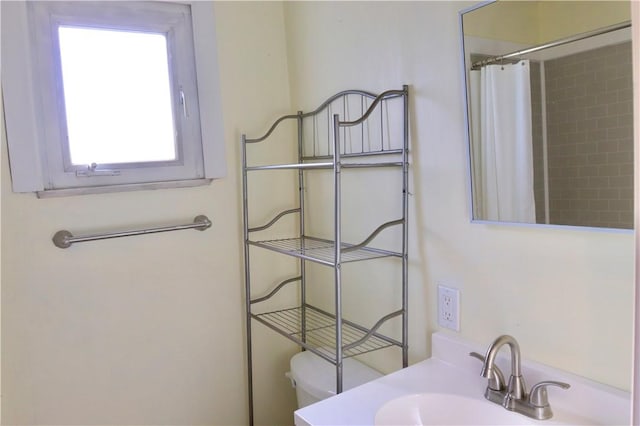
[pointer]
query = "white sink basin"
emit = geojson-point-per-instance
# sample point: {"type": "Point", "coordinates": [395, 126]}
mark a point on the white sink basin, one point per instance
{"type": "Point", "coordinates": [445, 409]}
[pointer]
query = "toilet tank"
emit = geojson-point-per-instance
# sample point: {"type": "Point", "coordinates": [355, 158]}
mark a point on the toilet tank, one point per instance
{"type": "Point", "coordinates": [315, 379]}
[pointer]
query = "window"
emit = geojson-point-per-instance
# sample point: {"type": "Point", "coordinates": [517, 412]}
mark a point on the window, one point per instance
{"type": "Point", "coordinates": [108, 95]}
{"type": "Point", "coordinates": [122, 77]}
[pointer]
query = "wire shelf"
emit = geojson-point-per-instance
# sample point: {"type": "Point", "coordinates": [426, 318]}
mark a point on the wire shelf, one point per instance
{"type": "Point", "coordinates": [325, 166]}
{"type": "Point", "coordinates": [321, 251]}
{"type": "Point", "coordinates": [320, 331]}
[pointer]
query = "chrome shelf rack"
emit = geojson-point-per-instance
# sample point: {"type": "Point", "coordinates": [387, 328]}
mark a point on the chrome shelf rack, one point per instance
{"type": "Point", "coordinates": [353, 129]}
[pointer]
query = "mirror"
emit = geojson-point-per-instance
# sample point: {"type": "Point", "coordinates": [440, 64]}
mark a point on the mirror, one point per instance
{"type": "Point", "coordinates": [550, 112]}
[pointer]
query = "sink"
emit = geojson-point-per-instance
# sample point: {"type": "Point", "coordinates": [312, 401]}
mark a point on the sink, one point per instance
{"type": "Point", "coordinates": [447, 389]}
{"type": "Point", "coordinates": [445, 409]}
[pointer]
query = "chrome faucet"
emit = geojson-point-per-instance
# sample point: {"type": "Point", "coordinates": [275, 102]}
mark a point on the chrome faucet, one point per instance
{"type": "Point", "coordinates": [514, 395]}
{"type": "Point", "coordinates": [515, 388]}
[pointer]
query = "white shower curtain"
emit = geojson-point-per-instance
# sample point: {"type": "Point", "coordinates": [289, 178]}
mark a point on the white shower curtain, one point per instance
{"type": "Point", "coordinates": [501, 143]}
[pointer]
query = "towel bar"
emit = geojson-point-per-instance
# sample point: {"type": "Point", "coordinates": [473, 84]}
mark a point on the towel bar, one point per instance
{"type": "Point", "coordinates": [64, 238]}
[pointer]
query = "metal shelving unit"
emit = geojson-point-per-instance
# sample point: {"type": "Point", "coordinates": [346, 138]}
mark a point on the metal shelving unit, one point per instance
{"type": "Point", "coordinates": [329, 139]}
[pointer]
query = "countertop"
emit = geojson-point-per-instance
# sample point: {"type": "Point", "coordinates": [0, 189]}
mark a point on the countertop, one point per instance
{"type": "Point", "coordinates": [451, 370]}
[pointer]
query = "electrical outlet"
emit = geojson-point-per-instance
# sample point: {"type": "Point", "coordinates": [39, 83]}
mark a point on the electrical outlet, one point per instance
{"type": "Point", "coordinates": [449, 307]}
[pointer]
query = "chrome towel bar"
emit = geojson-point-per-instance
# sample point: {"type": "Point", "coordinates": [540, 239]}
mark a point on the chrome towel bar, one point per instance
{"type": "Point", "coordinates": [64, 238]}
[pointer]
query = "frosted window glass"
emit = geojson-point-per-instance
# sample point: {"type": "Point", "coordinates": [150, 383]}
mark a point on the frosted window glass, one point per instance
{"type": "Point", "coordinates": [117, 95]}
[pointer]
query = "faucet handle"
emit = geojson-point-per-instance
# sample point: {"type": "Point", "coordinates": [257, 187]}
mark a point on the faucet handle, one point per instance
{"type": "Point", "coordinates": [496, 381]}
{"type": "Point", "coordinates": [538, 395]}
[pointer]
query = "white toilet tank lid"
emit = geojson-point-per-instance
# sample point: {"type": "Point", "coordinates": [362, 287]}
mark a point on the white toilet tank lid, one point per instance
{"type": "Point", "coordinates": [318, 377]}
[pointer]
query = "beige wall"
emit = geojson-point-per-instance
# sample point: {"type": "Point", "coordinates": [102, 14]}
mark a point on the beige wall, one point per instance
{"type": "Point", "coordinates": [563, 18]}
{"type": "Point", "coordinates": [149, 329]}
{"type": "Point", "coordinates": [514, 21]}
{"type": "Point", "coordinates": [565, 294]}
{"type": "Point", "coordinates": [536, 22]}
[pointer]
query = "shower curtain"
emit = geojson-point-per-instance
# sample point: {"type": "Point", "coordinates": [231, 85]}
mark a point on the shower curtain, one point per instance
{"type": "Point", "coordinates": [501, 143]}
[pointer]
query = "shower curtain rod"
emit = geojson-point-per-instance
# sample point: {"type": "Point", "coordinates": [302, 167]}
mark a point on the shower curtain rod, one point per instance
{"type": "Point", "coordinates": [559, 42]}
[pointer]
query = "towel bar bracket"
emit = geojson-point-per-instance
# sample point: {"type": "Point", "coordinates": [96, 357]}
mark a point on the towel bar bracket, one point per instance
{"type": "Point", "coordinates": [61, 239]}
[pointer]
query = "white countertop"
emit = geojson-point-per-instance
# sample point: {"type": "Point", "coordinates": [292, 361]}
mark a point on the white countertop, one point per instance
{"type": "Point", "coordinates": [451, 370]}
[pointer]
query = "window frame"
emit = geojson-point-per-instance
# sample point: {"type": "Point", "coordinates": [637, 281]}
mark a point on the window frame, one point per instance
{"type": "Point", "coordinates": [36, 157]}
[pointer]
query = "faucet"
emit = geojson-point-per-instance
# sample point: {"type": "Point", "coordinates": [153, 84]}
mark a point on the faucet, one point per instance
{"type": "Point", "coordinates": [515, 388]}
{"type": "Point", "coordinates": [514, 396]}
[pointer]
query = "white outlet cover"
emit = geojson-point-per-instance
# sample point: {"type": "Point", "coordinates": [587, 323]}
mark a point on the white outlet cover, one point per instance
{"type": "Point", "coordinates": [449, 307]}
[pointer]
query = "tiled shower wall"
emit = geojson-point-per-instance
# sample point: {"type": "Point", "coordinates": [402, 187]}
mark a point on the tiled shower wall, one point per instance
{"type": "Point", "coordinates": [537, 142]}
{"type": "Point", "coordinates": [590, 138]}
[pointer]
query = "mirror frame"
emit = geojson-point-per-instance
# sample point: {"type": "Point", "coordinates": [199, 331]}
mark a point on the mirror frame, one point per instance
{"type": "Point", "coordinates": [467, 133]}
{"type": "Point", "coordinates": [635, 40]}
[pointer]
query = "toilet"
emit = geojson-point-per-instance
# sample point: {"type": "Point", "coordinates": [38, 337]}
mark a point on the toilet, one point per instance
{"type": "Point", "coordinates": [315, 379]}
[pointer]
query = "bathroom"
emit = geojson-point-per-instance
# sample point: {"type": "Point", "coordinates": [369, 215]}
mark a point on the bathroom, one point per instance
{"type": "Point", "coordinates": [150, 330]}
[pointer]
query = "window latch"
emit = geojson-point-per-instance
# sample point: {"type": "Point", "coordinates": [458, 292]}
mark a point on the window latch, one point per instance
{"type": "Point", "coordinates": [183, 102]}
{"type": "Point", "coordinates": [91, 171]}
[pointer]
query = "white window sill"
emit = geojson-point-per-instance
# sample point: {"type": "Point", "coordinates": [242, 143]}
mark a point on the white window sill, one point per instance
{"type": "Point", "coordinates": [52, 193]}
